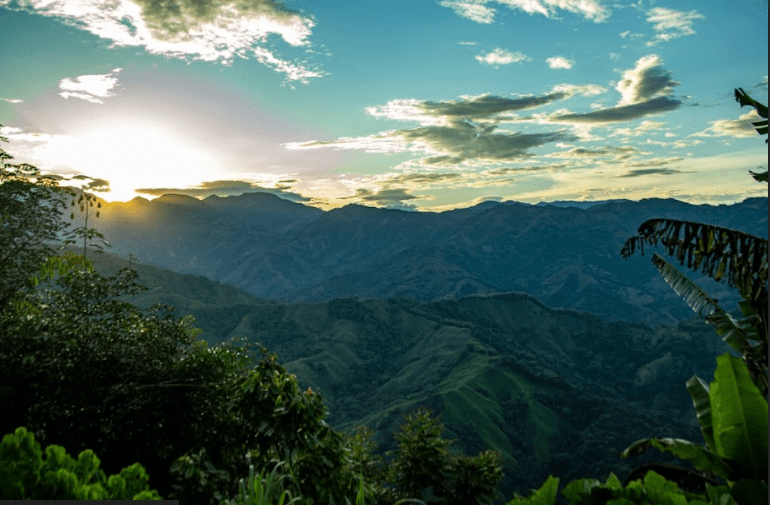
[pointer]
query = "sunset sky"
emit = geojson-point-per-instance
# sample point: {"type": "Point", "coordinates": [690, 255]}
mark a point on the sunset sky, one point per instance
{"type": "Point", "coordinates": [412, 104]}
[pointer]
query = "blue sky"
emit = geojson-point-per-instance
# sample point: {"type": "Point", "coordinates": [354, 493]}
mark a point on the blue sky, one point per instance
{"type": "Point", "coordinates": [417, 104]}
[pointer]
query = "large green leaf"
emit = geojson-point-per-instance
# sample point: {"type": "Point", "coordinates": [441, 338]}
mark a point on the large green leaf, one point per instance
{"type": "Point", "coordinates": [699, 392]}
{"type": "Point", "coordinates": [739, 417]}
{"type": "Point", "coordinates": [546, 495]}
{"type": "Point", "coordinates": [703, 459]}
{"type": "Point", "coordinates": [721, 253]}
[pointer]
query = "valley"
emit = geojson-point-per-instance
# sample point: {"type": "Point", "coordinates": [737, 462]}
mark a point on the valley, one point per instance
{"type": "Point", "coordinates": [557, 391]}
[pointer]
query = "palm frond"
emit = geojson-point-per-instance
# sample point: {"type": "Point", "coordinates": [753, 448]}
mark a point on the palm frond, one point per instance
{"type": "Point", "coordinates": [738, 258]}
{"type": "Point", "coordinates": [691, 293]}
{"type": "Point", "coordinates": [736, 333]}
{"type": "Point", "coordinates": [742, 98]}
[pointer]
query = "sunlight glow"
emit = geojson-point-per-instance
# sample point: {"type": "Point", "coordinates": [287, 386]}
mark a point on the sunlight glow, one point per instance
{"type": "Point", "coordinates": [131, 156]}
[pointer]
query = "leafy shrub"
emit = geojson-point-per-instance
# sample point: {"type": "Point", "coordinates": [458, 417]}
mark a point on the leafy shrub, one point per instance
{"type": "Point", "coordinates": [27, 474]}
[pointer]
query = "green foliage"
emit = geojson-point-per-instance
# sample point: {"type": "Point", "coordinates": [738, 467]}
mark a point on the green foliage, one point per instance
{"type": "Point", "coordinates": [546, 495]}
{"type": "Point", "coordinates": [30, 218]}
{"type": "Point", "coordinates": [739, 418]}
{"type": "Point", "coordinates": [733, 412]}
{"type": "Point", "coordinates": [424, 467]}
{"type": "Point", "coordinates": [283, 423]}
{"type": "Point", "coordinates": [473, 479]}
{"type": "Point", "coordinates": [28, 474]}
{"type": "Point", "coordinates": [652, 490]}
{"type": "Point", "coordinates": [264, 489]}
{"type": "Point", "coordinates": [83, 368]}
{"type": "Point", "coordinates": [420, 461]}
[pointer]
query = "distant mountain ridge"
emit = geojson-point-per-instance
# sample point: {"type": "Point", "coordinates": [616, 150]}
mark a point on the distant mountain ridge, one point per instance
{"type": "Point", "coordinates": [280, 250]}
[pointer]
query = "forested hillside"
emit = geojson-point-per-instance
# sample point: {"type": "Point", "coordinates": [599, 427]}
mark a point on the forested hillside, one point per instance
{"type": "Point", "coordinates": [557, 391]}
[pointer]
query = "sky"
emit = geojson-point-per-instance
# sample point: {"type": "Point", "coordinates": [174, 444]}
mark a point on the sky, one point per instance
{"type": "Point", "coordinates": [411, 104]}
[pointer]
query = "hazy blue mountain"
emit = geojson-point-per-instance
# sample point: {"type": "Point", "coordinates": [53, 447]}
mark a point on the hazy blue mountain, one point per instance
{"type": "Point", "coordinates": [564, 256]}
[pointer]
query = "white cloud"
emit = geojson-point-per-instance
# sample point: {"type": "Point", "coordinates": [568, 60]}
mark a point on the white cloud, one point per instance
{"type": "Point", "coordinates": [92, 88]}
{"type": "Point", "coordinates": [628, 33]}
{"type": "Point", "coordinates": [12, 100]}
{"type": "Point", "coordinates": [736, 128]}
{"type": "Point", "coordinates": [614, 56]}
{"type": "Point", "coordinates": [294, 72]}
{"type": "Point", "coordinates": [475, 10]}
{"type": "Point", "coordinates": [208, 30]}
{"type": "Point", "coordinates": [670, 24]}
{"type": "Point", "coordinates": [645, 81]}
{"type": "Point", "coordinates": [502, 57]}
{"type": "Point", "coordinates": [559, 62]}
{"type": "Point", "coordinates": [467, 43]}
{"type": "Point", "coordinates": [480, 12]}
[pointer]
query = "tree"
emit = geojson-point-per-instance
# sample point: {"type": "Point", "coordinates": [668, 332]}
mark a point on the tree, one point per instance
{"type": "Point", "coordinates": [82, 368]}
{"type": "Point", "coordinates": [732, 411]}
{"type": "Point", "coordinates": [424, 467]}
{"type": "Point", "coordinates": [420, 463]}
{"type": "Point", "coordinates": [31, 205]}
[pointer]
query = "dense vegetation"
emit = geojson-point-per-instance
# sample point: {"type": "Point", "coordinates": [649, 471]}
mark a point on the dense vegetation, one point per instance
{"type": "Point", "coordinates": [87, 372]}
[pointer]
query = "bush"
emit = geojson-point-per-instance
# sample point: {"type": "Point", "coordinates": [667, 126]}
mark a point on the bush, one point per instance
{"type": "Point", "coordinates": [27, 474]}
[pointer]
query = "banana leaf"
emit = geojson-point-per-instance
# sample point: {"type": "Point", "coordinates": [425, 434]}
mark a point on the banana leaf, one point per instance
{"type": "Point", "coordinates": [699, 392]}
{"type": "Point", "coordinates": [702, 458]}
{"type": "Point", "coordinates": [739, 418]}
{"type": "Point", "coordinates": [723, 254]}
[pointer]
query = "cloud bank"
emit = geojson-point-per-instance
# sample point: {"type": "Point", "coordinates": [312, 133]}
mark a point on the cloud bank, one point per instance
{"type": "Point", "coordinates": [736, 128]}
{"type": "Point", "coordinates": [459, 132]}
{"type": "Point", "coordinates": [208, 30]}
{"type": "Point", "coordinates": [644, 91]}
{"type": "Point", "coordinates": [225, 188]}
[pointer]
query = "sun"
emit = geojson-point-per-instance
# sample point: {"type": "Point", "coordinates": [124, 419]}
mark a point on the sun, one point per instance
{"type": "Point", "coordinates": [136, 155]}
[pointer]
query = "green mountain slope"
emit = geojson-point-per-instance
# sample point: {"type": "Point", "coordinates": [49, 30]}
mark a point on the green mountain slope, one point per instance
{"type": "Point", "coordinates": [557, 391]}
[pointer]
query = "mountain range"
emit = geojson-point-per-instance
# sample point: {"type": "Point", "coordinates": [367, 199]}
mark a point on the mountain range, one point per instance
{"type": "Point", "coordinates": [566, 256]}
{"type": "Point", "coordinates": [557, 391]}
{"type": "Point", "coordinates": [520, 325]}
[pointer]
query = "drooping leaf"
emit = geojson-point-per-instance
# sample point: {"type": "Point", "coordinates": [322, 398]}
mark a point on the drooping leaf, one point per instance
{"type": "Point", "coordinates": [742, 98]}
{"type": "Point", "coordinates": [691, 293]}
{"type": "Point", "coordinates": [739, 417]}
{"type": "Point", "coordinates": [699, 392]}
{"type": "Point", "coordinates": [738, 258]}
{"type": "Point", "coordinates": [702, 458]}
